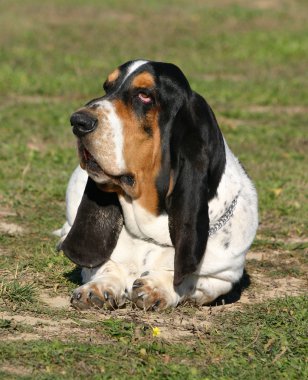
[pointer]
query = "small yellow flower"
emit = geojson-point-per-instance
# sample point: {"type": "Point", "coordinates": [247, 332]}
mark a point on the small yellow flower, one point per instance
{"type": "Point", "coordinates": [277, 191]}
{"type": "Point", "coordinates": [155, 331]}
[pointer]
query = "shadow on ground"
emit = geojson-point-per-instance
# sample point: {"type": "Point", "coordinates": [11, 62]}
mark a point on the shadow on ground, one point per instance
{"type": "Point", "coordinates": [235, 294]}
{"type": "Point", "coordinates": [74, 276]}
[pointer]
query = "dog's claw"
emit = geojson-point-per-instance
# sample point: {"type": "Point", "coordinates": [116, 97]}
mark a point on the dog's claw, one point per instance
{"type": "Point", "coordinates": [156, 305]}
{"type": "Point", "coordinates": [96, 302]}
{"type": "Point", "coordinates": [146, 296]}
{"type": "Point", "coordinates": [86, 297]}
{"type": "Point", "coordinates": [137, 284]}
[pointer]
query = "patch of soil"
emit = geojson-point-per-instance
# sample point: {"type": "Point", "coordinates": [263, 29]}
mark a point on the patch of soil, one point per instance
{"type": "Point", "coordinates": [15, 370]}
{"type": "Point", "coordinates": [47, 328]}
{"type": "Point", "coordinates": [265, 288]}
{"type": "Point", "coordinates": [57, 302]}
{"type": "Point", "coordinates": [25, 337]}
{"type": "Point", "coordinates": [4, 212]}
{"type": "Point", "coordinates": [11, 228]}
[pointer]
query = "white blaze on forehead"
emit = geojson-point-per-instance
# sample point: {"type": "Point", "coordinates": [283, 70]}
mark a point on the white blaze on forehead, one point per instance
{"type": "Point", "coordinates": [133, 67]}
{"type": "Point", "coordinates": [116, 129]}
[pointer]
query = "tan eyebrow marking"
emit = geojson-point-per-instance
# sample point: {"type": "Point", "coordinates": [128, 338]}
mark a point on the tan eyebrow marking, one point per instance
{"type": "Point", "coordinates": [113, 76]}
{"type": "Point", "coordinates": [143, 80]}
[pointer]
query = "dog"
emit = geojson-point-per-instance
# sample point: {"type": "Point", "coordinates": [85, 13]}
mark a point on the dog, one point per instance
{"type": "Point", "coordinates": [159, 211]}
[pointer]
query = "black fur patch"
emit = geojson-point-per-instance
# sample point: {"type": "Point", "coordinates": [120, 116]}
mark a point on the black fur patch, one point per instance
{"type": "Point", "coordinates": [96, 229]}
{"type": "Point", "coordinates": [193, 149]}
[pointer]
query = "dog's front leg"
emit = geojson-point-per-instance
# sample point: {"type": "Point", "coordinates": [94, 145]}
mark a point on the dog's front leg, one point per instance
{"type": "Point", "coordinates": [108, 285]}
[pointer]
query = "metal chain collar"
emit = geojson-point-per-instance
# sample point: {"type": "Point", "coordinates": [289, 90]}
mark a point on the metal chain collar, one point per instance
{"type": "Point", "coordinates": [224, 218]}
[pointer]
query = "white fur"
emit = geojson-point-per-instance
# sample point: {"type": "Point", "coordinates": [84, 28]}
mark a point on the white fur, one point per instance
{"type": "Point", "coordinates": [143, 224]}
{"type": "Point", "coordinates": [116, 126]}
{"type": "Point", "coordinates": [133, 67]}
{"type": "Point", "coordinates": [74, 193]}
{"type": "Point", "coordinates": [221, 266]}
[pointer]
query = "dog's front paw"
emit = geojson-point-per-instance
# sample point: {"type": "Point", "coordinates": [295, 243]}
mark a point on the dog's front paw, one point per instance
{"type": "Point", "coordinates": [150, 294]}
{"type": "Point", "coordinates": [97, 295]}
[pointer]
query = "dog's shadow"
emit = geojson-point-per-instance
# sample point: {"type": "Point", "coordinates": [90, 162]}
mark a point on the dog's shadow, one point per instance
{"type": "Point", "coordinates": [74, 276]}
{"type": "Point", "coordinates": [235, 294]}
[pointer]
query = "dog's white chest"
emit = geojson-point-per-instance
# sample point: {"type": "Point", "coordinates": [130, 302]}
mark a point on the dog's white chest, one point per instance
{"type": "Point", "coordinates": [143, 224]}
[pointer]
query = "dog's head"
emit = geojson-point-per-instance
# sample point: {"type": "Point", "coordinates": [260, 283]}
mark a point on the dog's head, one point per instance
{"type": "Point", "coordinates": [154, 139]}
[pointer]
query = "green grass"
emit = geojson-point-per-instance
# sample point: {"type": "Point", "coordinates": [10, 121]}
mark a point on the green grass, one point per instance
{"type": "Point", "coordinates": [17, 293]}
{"type": "Point", "coordinates": [249, 60]}
{"type": "Point", "coordinates": [267, 341]}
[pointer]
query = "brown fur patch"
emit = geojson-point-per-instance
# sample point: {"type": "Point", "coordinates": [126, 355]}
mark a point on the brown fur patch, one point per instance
{"type": "Point", "coordinates": [111, 188]}
{"type": "Point", "coordinates": [113, 76]}
{"type": "Point", "coordinates": [143, 80]}
{"type": "Point", "coordinates": [95, 289]}
{"type": "Point", "coordinates": [142, 154]}
{"type": "Point", "coordinates": [171, 183]}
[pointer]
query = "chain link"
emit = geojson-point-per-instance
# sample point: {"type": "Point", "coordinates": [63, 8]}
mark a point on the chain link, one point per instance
{"type": "Point", "coordinates": [223, 219]}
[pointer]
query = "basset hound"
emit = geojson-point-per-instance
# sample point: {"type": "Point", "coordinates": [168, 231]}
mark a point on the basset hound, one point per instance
{"type": "Point", "coordinates": [159, 210]}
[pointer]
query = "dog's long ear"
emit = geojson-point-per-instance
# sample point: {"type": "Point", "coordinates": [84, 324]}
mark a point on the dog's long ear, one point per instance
{"type": "Point", "coordinates": [96, 228]}
{"type": "Point", "coordinates": [197, 160]}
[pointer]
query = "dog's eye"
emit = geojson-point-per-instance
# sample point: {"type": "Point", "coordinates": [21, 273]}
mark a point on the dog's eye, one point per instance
{"type": "Point", "coordinates": [145, 98]}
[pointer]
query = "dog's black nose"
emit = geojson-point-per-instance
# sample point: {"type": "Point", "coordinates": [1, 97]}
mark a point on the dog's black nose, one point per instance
{"type": "Point", "coordinates": [83, 123]}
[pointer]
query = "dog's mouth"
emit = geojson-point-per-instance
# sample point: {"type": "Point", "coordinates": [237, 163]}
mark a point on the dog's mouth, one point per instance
{"type": "Point", "coordinates": [87, 160]}
{"type": "Point", "coordinates": [89, 163]}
